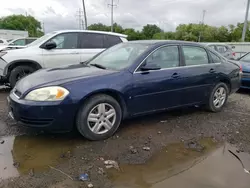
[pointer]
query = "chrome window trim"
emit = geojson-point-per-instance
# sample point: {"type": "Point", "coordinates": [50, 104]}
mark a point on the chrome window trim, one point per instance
{"type": "Point", "coordinates": [179, 67]}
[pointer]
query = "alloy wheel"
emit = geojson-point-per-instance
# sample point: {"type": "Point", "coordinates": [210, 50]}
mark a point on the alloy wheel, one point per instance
{"type": "Point", "coordinates": [219, 97]}
{"type": "Point", "coordinates": [101, 118]}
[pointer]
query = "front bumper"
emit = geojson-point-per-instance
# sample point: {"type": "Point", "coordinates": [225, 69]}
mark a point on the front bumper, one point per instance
{"type": "Point", "coordinates": [55, 116]}
{"type": "Point", "coordinates": [2, 66]}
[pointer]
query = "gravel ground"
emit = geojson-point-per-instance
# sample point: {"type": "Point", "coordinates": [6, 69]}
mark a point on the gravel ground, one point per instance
{"type": "Point", "coordinates": [126, 147]}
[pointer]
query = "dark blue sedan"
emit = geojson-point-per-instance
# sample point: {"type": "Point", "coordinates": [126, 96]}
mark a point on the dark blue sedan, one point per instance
{"type": "Point", "coordinates": [129, 79]}
{"type": "Point", "coordinates": [245, 63]}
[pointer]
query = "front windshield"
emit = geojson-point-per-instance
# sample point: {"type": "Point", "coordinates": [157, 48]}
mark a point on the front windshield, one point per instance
{"type": "Point", "coordinates": [119, 56]}
{"type": "Point", "coordinates": [41, 39]}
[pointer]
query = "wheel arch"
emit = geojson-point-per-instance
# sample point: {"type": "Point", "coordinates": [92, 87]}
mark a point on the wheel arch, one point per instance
{"type": "Point", "coordinates": [227, 82]}
{"type": "Point", "coordinates": [113, 93]}
{"type": "Point", "coordinates": [17, 63]}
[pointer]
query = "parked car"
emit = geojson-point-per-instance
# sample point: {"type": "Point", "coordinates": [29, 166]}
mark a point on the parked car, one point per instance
{"type": "Point", "coordinates": [17, 43]}
{"type": "Point", "coordinates": [245, 63]}
{"type": "Point", "coordinates": [126, 80]}
{"type": "Point", "coordinates": [3, 42]}
{"type": "Point", "coordinates": [224, 49]}
{"type": "Point", "coordinates": [55, 49]}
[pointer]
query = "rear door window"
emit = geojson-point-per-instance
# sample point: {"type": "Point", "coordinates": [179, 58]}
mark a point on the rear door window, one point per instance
{"type": "Point", "coordinates": [195, 55]}
{"type": "Point", "coordinates": [92, 40]}
{"type": "Point", "coordinates": [111, 40]}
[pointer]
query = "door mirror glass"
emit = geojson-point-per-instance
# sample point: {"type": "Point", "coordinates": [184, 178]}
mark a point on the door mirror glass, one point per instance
{"type": "Point", "coordinates": [50, 45]}
{"type": "Point", "coordinates": [150, 66]}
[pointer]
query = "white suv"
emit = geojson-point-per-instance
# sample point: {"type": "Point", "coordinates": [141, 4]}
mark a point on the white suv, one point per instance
{"type": "Point", "coordinates": [55, 49]}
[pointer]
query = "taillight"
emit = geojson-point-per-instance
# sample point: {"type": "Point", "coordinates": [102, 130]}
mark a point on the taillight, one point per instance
{"type": "Point", "coordinates": [233, 53]}
{"type": "Point", "coordinates": [240, 68]}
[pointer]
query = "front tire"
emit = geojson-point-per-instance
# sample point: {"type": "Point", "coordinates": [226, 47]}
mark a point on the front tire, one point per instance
{"type": "Point", "coordinates": [218, 97]}
{"type": "Point", "coordinates": [99, 117]}
{"type": "Point", "coordinates": [19, 72]}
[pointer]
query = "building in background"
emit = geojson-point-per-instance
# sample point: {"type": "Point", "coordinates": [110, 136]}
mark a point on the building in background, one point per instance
{"type": "Point", "coordinates": [13, 34]}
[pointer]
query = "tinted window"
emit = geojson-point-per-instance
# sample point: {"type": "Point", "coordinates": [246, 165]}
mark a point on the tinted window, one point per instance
{"type": "Point", "coordinates": [28, 41]}
{"type": "Point", "coordinates": [221, 49]}
{"type": "Point", "coordinates": [215, 58]}
{"type": "Point", "coordinates": [19, 42]}
{"type": "Point", "coordinates": [213, 47]}
{"type": "Point", "coordinates": [165, 57]}
{"type": "Point", "coordinates": [66, 41]}
{"type": "Point", "coordinates": [1, 41]}
{"type": "Point", "coordinates": [111, 40]}
{"type": "Point", "coordinates": [195, 55]}
{"type": "Point", "coordinates": [92, 40]}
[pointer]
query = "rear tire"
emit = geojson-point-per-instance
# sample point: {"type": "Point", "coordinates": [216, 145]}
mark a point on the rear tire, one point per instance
{"type": "Point", "coordinates": [19, 72]}
{"type": "Point", "coordinates": [99, 117]}
{"type": "Point", "coordinates": [218, 97]}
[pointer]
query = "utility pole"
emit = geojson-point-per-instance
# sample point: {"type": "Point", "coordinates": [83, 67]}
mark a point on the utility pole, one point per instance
{"type": "Point", "coordinates": [112, 14]}
{"type": "Point", "coordinates": [85, 15]}
{"type": "Point", "coordinates": [43, 28]}
{"type": "Point", "coordinates": [246, 22]}
{"type": "Point", "coordinates": [202, 23]}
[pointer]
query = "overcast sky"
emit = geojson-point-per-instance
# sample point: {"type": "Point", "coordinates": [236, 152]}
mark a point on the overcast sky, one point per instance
{"type": "Point", "coordinates": [62, 14]}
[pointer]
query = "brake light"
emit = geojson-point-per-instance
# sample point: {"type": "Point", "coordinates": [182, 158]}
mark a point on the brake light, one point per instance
{"type": "Point", "coordinates": [240, 68]}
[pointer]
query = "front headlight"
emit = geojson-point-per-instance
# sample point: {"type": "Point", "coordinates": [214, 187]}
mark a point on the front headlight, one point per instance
{"type": "Point", "coordinates": [54, 93]}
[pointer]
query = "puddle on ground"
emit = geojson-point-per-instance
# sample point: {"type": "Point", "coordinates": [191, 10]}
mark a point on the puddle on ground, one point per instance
{"type": "Point", "coordinates": [177, 166]}
{"type": "Point", "coordinates": [21, 154]}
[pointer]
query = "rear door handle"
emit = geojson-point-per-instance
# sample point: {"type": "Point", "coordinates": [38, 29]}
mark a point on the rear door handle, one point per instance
{"type": "Point", "coordinates": [212, 71]}
{"type": "Point", "coordinates": [175, 75]}
{"type": "Point", "coordinates": [74, 53]}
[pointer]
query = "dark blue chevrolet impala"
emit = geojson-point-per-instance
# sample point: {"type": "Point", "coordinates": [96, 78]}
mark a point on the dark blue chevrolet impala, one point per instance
{"type": "Point", "coordinates": [126, 80]}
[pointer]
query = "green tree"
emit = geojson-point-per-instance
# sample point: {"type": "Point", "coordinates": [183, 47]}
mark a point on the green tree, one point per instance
{"type": "Point", "coordinates": [99, 27]}
{"type": "Point", "coordinates": [150, 30]}
{"type": "Point", "coordinates": [20, 22]}
{"type": "Point", "coordinates": [159, 36]}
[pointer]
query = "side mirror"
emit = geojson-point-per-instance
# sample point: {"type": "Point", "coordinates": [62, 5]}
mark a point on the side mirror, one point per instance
{"type": "Point", "coordinates": [50, 45]}
{"type": "Point", "coordinates": [150, 66]}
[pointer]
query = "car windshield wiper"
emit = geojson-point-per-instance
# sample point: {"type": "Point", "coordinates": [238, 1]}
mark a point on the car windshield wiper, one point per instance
{"type": "Point", "coordinates": [98, 66]}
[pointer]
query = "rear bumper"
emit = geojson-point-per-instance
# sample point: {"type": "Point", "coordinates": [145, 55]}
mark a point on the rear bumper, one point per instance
{"type": "Point", "coordinates": [245, 83]}
{"type": "Point", "coordinates": [53, 116]}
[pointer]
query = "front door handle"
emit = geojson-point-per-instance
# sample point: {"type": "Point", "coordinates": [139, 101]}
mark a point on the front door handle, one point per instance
{"type": "Point", "coordinates": [175, 75]}
{"type": "Point", "coordinates": [212, 71]}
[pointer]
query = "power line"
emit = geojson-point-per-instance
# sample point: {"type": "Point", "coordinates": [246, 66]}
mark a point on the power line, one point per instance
{"type": "Point", "coordinates": [245, 23]}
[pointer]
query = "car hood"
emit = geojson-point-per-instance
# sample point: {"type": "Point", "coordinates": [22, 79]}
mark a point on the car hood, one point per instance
{"type": "Point", "coordinates": [58, 76]}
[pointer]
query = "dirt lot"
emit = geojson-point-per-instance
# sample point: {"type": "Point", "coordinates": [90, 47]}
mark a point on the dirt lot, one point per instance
{"type": "Point", "coordinates": [149, 151]}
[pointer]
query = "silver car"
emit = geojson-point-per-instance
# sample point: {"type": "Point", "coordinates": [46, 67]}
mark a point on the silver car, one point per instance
{"type": "Point", "coordinates": [223, 49]}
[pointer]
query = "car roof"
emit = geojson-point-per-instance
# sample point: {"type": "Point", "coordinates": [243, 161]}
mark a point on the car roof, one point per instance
{"type": "Point", "coordinates": [92, 31]}
{"type": "Point", "coordinates": [162, 42]}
